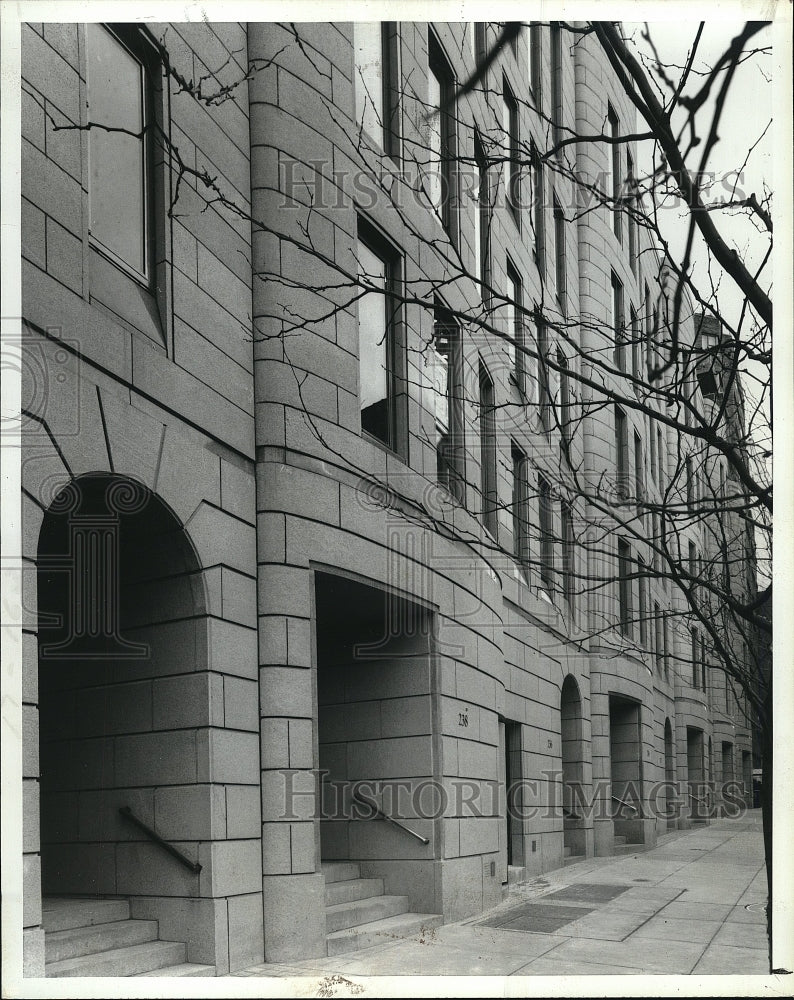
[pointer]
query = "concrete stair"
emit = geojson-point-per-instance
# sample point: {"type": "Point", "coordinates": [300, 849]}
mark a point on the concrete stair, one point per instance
{"type": "Point", "coordinates": [97, 937]}
{"type": "Point", "coordinates": [358, 914]}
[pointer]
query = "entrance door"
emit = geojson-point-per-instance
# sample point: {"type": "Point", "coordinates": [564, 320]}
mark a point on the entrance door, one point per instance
{"type": "Point", "coordinates": [504, 832]}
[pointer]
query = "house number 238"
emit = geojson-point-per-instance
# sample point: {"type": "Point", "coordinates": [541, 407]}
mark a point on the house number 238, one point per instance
{"type": "Point", "coordinates": [463, 718]}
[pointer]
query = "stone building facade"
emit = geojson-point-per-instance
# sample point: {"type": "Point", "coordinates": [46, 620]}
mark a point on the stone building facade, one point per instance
{"type": "Point", "coordinates": [264, 576]}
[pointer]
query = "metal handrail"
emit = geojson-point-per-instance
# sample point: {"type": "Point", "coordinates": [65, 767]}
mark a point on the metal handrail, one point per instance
{"type": "Point", "coordinates": [698, 798]}
{"type": "Point", "coordinates": [379, 812]}
{"type": "Point", "coordinates": [625, 802]}
{"type": "Point", "coordinates": [128, 814]}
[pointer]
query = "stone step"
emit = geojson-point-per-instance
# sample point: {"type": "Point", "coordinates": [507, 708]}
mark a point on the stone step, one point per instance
{"type": "Point", "coordinates": [629, 848]}
{"type": "Point", "coordinates": [351, 889]}
{"type": "Point", "coordinates": [398, 928]}
{"type": "Point", "coordinates": [363, 911]}
{"type": "Point", "coordinates": [619, 840]}
{"type": "Point", "coordinates": [340, 871]}
{"type": "Point", "coordinates": [121, 961]}
{"type": "Point", "coordinates": [76, 941]}
{"type": "Point", "coordinates": [184, 969]}
{"type": "Point", "coordinates": [59, 913]}
{"type": "Point", "coordinates": [573, 859]}
{"type": "Point", "coordinates": [566, 852]}
{"type": "Point", "coordinates": [516, 874]}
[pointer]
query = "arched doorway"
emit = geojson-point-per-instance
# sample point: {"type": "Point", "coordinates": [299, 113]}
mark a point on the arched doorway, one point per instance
{"type": "Point", "coordinates": [572, 747]}
{"type": "Point", "coordinates": [122, 690]}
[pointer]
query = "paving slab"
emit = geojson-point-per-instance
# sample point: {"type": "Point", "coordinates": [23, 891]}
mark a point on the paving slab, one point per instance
{"type": "Point", "coordinates": [550, 966]}
{"type": "Point", "coordinates": [738, 935]}
{"type": "Point", "coordinates": [719, 959]}
{"type": "Point", "coordinates": [666, 929]}
{"type": "Point", "coordinates": [413, 959]}
{"type": "Point", "coordinates": [653, 957]}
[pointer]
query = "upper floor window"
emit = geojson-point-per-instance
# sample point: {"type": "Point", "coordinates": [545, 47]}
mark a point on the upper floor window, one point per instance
{"type": "Point", "coordinates": [630, 204]}
{"type": "Point", "coordinates": [636, 345]}
{"type": "Point", "coordinates": [119, 152]}
{"type": "Point", "coordinates": [625, 604]}
{"type": "Point", "coordinates": [376, 82]}
{"type": "Point", "coordinates": [512, 175]}
{"type": "Point", "coordinates": [482, 230]}
{"type": "Point", "coordinates": [560, 257]}
{"type": "Point", "coordinates": [379, 340]}
{"type": "Point", "coordinates": [622, 453]}
{"type": "Point", "coordinates": [546, 514]}
{"type": "Point", "coordinates": [520, 504]}
{"type": "Point", "coordinates": [556, 85]}
{"type": "Point", "coordinates": [568, 551]}
{"type": "Point", "coordinates": [539, 249]}
{"type": "Point", "coordinates": [613, 191]}
{"type": "Point", "coordinates": [487, 421]}
{"type": "Point", "coordinates": [480, 39]}
{"type": "Point", "coordinates": [440, 89]}
{"type": "Point", "coordinates": [444, 359]}
{"type": "Point", "coordinates": [515, 326]}
{"type": "Point", "coordinates": [535, 67]}
{"type": "Point", "coordinates": [617, 324]}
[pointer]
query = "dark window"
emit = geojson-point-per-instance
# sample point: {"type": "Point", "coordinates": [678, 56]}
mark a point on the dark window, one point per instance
{"type": "Point", "coordinates": [535, 64]}
{"type": "Point", "coordinates": [445, 361]}
{"type": "Point", "coordinates": [442, 180]}
{"type": "Point", "coordinates": [631, 203]}
{"type": "Point", "coordinates": [376, 82]}
{"type": "Point", "coordinates": [546, 532]}
{"type": "Point", "coordinates": [690, 484]}
{"type": "Point", "coordinates": [666, 634]}
{"type": "Point", "coordinates": [568, 552]}
{"type": "Point", "coordinates": [544, 395]}
{"type": "Point", "coordinates": [642, 590]}
{"type": "Point", "coordinates": [660, 454]}
{"type": "Point", "coordinates": [511, 151]}
{"type": "Point", "coordinates": [695, 658]}
{"type": "Point", "coordinates": [539, 249]}
{"type": "Point", "coordinates": [565, 409]}
{"type": "Point", "coordinates": [617, 324]}
{"type": "Point", "coordinates": [561, 266]}
{"type": "Point", "coordinates": [556, 84]}
{"type": "Point", "coordinates": [636, 344]}
{"type": "Point", "coordinates": [621, 453]}
{"type": "Point", "coordinates": [624, 589]}
{"type": "Point", "coordinates": [658, 641]}
{"type": "Point", "coordinates": [480, 43]}
{"type": "Point", "coordinates": [520, 505]}
{"type": "Point", "coordinates": [120, 170]}
{"type": "Point", "coordinates": [487, 420]}
{"type": "Point", "coordinates": [616, 175]}
{"type": "Point", "coordinates": [652, 442]}
{"type": "Point", "coordinates": [639, 474]}
{"type": "Point", "coordinates": [379, 340]}
{"type": "Point", "coordinates": [515, 326]}
{"type": "Point", "coordinates": [483, 228]}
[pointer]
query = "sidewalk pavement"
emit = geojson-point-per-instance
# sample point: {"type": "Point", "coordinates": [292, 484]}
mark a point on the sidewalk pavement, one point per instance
{"type": "Point", "coordinates": [692, 905]}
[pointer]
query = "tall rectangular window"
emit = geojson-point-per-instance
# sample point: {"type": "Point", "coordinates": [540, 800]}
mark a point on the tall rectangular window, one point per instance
{"type": "Point", "coordinates": [379, 340]}
{"type": "Point", "coordinates": [556, 85]}
{"type": "Point", "coordinates": [631, 202]}
{"type": "Point", "coordinates": [695, 657]}
{"type": "Point", "coordinates": [652, 443]}
{"type": "Point", "coordinates": [444, 358]}
{"type": "Point", "coordinates": [118, 92]}
{"type": "Point", "coordinates": [376, 83]}
{"type": "Point", "coordinates": [565, 407]}
{"type": "Point", "coordinates": [636, 344]}
{"type": "Point", "coordinates": [617, 324]}
{"type": "Point", "coordinates": [616, 175]}
{"type": "Point", "coordinates": [535, 64]}
{"type": "Point", "coordinates": [487, 421]}
{"type": "Point", "coordinates": [546, 532]}
{"type": "Point", "coordinates": [520, 504]}
{"type": "Point", "coordinates": [480, 43]}
{"type": "Point", "coordinates": [511, 151]}
{"type": "Point", "coordinates": [621, 453]}
{"type": "Point", "coordinates": [538, 218]}
{"type": "Point", "coordinates": [515, 325]}
{"type": "Point", "coordinates": [639, 475]}
{"type": "Point", "coordinates": [660, 455]}
{"type": "Point", "coordinates": [568, 552]}
{"type": "Point", "coordinates": [703, 664]}
{"type": "Point", "coordinates": [545, 403]}
{"type": "Point", "coordinates": [442, 178]}
{"type": "Point", "coordinates": [483, 227]}
{"type": "Point", "coordinates": [658, 640]}
{"type": "Point", "coordinates": [642, 591]}
{"type": "Point", "coordinates": [560, 257]}
{"type": "Point", "coordinates": [690, 484]}
{"type": "Point", "coordinates": [625, 609]}
{"type": "Point", "coordinates": [666, 641]}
